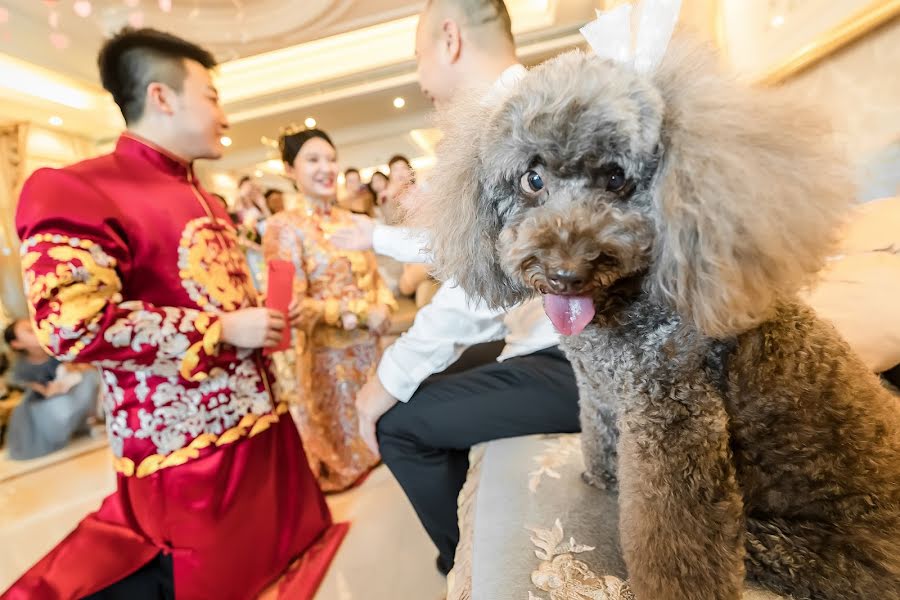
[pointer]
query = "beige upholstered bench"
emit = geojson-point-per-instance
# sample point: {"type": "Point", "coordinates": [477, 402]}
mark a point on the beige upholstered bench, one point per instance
{"type": "Point", "coordinates": [531, 529]}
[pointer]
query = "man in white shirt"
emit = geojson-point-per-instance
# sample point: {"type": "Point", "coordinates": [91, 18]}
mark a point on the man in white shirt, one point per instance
{"type": "Point", "coordinates": [428, 417]}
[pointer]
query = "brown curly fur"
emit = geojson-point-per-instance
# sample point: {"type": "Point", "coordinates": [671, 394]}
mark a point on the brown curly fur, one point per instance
{"type": "Point", "coordinates": [745, 436]}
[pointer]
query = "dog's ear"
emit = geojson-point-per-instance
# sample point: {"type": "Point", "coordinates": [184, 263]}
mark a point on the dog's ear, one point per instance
{"type": "Point", "coordinates": [749, 197]}
{"type": "Point", "coordinates": [453, 204]}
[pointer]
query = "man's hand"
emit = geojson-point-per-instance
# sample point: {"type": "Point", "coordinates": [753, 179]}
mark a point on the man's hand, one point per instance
{"type": "Point", "coordinates": [40, 388]}
{"type": "Point", "coordinates": [379, 319]}
{"type": "Point", "coordinates": [253, 327]}
{"type": "Point", "coordinates": [355, 237]}
{"type": "Point", "coordinates": [372, 402]}
{"type": "Point", "coordinates": [55, 388]}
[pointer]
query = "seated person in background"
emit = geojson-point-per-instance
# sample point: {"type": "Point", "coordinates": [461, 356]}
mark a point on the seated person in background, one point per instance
{"type": "Point", "coordinates": [358, 197]}
{"type": "Point", "coordinates": [274, 201]}
{"type": "Point", "coordinates": [58, 400]}
{"type": "Point", "coordinates": [858, 290]}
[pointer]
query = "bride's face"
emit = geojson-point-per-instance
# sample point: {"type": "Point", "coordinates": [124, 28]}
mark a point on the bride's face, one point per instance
{"type": "Point", "coordinates": [315, 169]}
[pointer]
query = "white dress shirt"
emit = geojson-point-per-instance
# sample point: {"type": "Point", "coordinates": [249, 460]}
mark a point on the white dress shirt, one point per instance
{"type": "Point", "coordinates": [452, 322]}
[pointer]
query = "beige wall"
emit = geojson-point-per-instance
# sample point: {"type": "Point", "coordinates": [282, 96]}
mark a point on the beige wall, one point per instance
{"type": "Point", "coordinates": [50, 148]}
{"type": "Point", "coordinates": [860, 86]}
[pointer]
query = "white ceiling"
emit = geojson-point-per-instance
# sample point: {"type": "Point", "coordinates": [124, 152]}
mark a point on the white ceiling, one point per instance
{"type": "Point", "coordinates": [229, 28]}
{"type": "Point", "coordinates": [340, 61]}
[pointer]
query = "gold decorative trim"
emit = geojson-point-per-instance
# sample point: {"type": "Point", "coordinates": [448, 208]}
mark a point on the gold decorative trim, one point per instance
{"type": "Point", "coordinates": [249, 426]}
{"type": "Point", "coordinates": [874, 15]}
{"type": "Point", "coordinates": [209, 345]}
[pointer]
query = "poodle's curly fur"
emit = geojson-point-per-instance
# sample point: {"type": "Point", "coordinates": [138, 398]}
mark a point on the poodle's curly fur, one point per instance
{"type": "Point", "coordinates": [744, 436]}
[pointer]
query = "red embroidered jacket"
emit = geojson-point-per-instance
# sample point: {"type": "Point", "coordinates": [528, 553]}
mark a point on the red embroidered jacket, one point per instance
{"type": "Point", "coordinates": [132, 282]}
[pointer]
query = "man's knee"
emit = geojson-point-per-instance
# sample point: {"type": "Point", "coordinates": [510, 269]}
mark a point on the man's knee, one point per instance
{"type": "Point", "coordinates": [400, 430]}
{"type": "Point", "coordinates": [393, 430]}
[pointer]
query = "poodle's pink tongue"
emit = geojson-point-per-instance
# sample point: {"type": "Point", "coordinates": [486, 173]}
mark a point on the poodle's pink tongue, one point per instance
{"type": "Point", "coordinates": [569, 314]}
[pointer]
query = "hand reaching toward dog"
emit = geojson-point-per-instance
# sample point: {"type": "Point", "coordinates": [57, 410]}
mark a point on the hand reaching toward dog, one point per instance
{"type": "Point", "coordinates": [356, 237]}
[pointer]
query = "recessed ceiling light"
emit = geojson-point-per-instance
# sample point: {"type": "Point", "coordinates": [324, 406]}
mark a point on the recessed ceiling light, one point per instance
{"type": "Point", "coordinates": [226, 141]}
{"type": "Point", "coordinates": [55, 121]}
{"type": "Point", "coordinates": [309, 122]}
{"type": "Point", "coordinates": [777, 20]}
{"type": "Point", "coordinates": [399, 102]}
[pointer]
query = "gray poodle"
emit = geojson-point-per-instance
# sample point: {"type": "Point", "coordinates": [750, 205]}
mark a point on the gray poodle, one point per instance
{"type": "Point", "coordinates": [668, 220]}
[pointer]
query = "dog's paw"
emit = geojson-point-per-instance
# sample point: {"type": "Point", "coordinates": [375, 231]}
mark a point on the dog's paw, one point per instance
{"type": "Point", "coordinates": [601, 481]}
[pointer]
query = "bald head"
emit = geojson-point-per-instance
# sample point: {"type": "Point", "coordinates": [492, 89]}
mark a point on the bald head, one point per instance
{"type": "Point", "coordinates": [462, 42]}
{"type": "Point", "coordinates": [485, 22]}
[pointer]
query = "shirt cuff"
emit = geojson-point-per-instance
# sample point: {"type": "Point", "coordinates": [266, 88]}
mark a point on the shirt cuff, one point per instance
{"type": "Point", "coordinates": [401, 244]}
{"type": "Point", "coordinates": [396, 380]}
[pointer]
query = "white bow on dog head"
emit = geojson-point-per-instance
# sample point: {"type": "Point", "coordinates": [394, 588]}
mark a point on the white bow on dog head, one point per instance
{"type": "Point", "coordinates": [610, 35]}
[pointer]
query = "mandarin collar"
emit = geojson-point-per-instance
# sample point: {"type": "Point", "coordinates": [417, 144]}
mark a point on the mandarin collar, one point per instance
{"type": "Point", "coordinates": [133, 145]}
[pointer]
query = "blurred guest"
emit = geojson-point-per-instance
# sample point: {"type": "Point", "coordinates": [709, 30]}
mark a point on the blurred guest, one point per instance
{"type": "Point", "coordinates": [345, 309]}
{"type": "Point", "coordinates": [401, 171]}
{"type": "Point", "coordinates": [391, 270]}
{"type": "Point", "coordinates": [358, 198]}
{"type": "Point", "coordinates": [274, 201]}
{"type": "Point", "coordinates": [401, 182]}
{"type": "Point", "coordinates": [222, 200]}
{"type": "Point", "coordinates": [58, 400]}
{"type": "Point", "coordinates": [250, 208]}
{"type": "Point", "coordinates": [250, 213]}
{"type": "Point", "coordinates": [378, 185]}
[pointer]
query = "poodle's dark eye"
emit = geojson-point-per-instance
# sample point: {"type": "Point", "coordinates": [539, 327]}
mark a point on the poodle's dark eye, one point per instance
{"type": "Point", "coordinates": [532, 183]}
{"type": "Point", "coordinates": [615, 180]}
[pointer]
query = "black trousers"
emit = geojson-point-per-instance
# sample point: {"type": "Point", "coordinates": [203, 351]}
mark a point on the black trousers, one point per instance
{"type": "Point", "coordinates": [153, 581]}
{"type": "Point", "coordinates": [425, 442]}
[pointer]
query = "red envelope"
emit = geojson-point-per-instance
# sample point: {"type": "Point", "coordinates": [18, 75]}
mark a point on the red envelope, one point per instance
{"type": "Point", "coordinates": [278, 296]}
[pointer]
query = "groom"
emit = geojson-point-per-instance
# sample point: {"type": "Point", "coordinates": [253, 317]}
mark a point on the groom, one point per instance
{"type": "Point", "coordinates": [132, 266]}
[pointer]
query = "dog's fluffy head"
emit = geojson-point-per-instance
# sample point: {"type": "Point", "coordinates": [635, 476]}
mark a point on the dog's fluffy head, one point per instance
{"type": "Point", "coordinates": [591, 182]}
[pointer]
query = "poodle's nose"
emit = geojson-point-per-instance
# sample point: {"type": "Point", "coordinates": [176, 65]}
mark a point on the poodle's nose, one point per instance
{"type": "Point", "coordinates": [566, 282]}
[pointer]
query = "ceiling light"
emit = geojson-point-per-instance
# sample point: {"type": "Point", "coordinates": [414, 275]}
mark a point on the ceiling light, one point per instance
{"type": "Point", "coordinates": [82, 8]}
{"type": "Point", "coordinates": [32, 81]}
{"type": "Point", "coordinates": [309, 122]}
{"type": "Point", "coordinates": [274, 165]}
{"type": "Point", "coordinates": [226, 141]}
{"type": "Point", "coordinates": [55, 121]}
{"type": "Point", "coordinates": [258, 173]}
{"type": "Point", "coordinates": [777, 20]}
{"type": "Point", "coordinates": [399, 102]}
